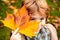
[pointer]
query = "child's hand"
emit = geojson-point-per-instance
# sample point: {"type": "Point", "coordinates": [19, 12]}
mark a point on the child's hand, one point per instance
{"type": "Point", "coordinates": [53, 31]}
{"type": "Point", "coordinates": [15, 35]}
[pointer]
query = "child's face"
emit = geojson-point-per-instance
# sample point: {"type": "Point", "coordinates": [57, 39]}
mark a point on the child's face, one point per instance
{"type": "Point", "coordinates": [36, 16]}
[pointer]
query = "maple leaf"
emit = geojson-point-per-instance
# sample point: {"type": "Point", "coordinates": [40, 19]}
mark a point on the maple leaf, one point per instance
{"type": "Point", "coordinates": [9, 21]}
{"type": "Point", "coordinates": [56, 25]}
{"type": "Point", "coordinates": [54, 1]}
{"type": "Point", "coordinates": [30, 28]}
{"type": "Point", "coordinates": [56, 22]}
{"type": "Point", "coordinates": [21, 20]}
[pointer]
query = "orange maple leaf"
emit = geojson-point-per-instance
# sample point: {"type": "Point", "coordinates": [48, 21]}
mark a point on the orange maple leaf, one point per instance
{"type": "Point", "coordinates": [21, 20]}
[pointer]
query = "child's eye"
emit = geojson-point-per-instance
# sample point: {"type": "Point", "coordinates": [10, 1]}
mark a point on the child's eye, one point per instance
{"type": "Point", "coordinates": [33, 18]}
{"type": "Point", "coordinates": [41, 18]}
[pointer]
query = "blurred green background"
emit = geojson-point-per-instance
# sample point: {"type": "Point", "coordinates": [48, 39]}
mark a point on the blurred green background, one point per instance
{"type": "Point", "coordinates": [5, 32]}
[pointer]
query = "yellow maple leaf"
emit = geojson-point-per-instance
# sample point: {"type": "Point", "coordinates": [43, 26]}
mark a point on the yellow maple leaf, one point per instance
{"type": "Point", "coordinates": [9, 21]}
{"type": "Point", "coordinates": [30, 28]}
{"type": "Point", "coordinates": [22, 21]}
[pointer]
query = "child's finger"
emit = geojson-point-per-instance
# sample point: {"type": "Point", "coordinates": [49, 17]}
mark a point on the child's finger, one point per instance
{"type": "Point", "coordinates": [12, 32]}
{"type": "Point", "coordinates": [18, 34]}
{"type": "Point", "coordinates": [15, 31]}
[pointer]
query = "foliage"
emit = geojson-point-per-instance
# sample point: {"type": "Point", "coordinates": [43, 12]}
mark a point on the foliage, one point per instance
{"type": "Point", "coordinates": [5, 33]}
{"type": "Point", "coordinates": [4, 7]}
{"type": "Point", "coordinates": [55, 14]}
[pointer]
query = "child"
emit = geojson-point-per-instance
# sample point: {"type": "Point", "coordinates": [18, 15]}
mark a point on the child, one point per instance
{"type": "Point", "coordinates": [38, 11]}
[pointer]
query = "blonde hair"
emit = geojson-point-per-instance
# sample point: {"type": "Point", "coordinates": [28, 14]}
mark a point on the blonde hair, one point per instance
{"type": "Point", "coordinates": [37, 6]}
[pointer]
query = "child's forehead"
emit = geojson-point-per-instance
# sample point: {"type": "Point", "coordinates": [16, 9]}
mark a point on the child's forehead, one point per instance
{"type": "Point", "coordinates": [39, 15]}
